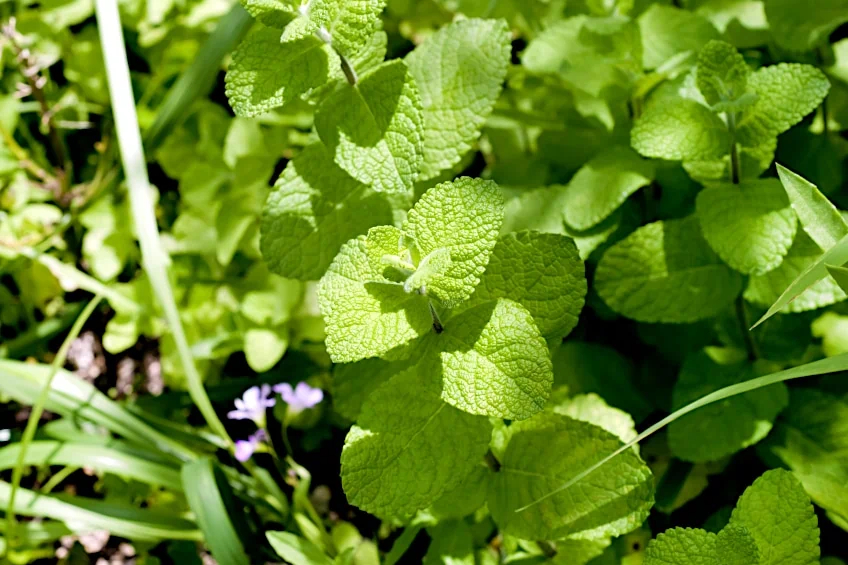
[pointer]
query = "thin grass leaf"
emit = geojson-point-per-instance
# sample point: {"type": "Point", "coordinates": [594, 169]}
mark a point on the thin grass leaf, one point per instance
{"type": "Point", "coordinates": [840, 275]}
{"type": "Point", "coordinates": [821, 367]}
{"type": "Point", "coordinates": [154, 258]}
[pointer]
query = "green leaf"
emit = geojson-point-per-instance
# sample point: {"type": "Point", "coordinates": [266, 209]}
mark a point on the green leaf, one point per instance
{"type": "Point", "coordinates": [811, 438]}
{"type": "Point", "coordinates": [314, 208]}
{"type": "Point", "coordinates": [543, 453]}
{"type": "Point", "coordinates": [463, 216]}
{"type": "Point", "coordinates": [272, 13]}
{"type": "Point", "coordinates": [364, 318]}
{"type": "Point", "coordinates": [264, 347]}
{"type": "Point", "coordinates": [354, 382]}
{"type": "Point", "coordinates": [778, 514]}
{"type": "Point", "coordinates": [603, 184]}
{"type": "Point", "coordinates": [819, 218]}
{"type": "Point", "coordinates": [210, 498]}
{"type": "Point", "coordinates": [592, 408]}
{"type": "Point", "coordinates": [266, 74]}
{"type": "Point", "coordinates": [409, 447]}
{"type": "Point", "coordinates": [680, 129]}
{"type": "Point", "coordinates": [542, 272]}
{"type": "Point", "coordinates": [494, 361]}
{"type": "Point", "coordinates": [297, 550]}
{"type": "Point", "coordinates": [451, 544]}
{"type": "Point", "coordinates": [347, 24]}
{"type": "Point", "coordinates": [668, 31]}
{"type": "Point", "coordinates": [840, 275]}
{"type": "Point", "coordinates": [750, 225]}
{"type": "Point", "coordinates": [373, 129]}
{"type": "Point", "coordinates": [785, 94]}
{"type": "Point", "coordinates": [800, 26]}
{"type": "Point", "coordinates": [720, 430]}
{"type": "Point", "coordinates": [685, 546]}
{"type": "Point", "coordinates": [722, 74]}
{"type": "Point", "coordinates": [800, 283]}
{"type": "Point", "coordinates": [465, 498]}
{"type": "Point", "coordinates": [388, 254]}
{"type": "Point", "coordinates": [666, 272]}
{"type": "Point", "coordinates": [460, 71]}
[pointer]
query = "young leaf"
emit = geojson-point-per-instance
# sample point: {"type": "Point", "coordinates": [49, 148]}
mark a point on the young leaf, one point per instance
{"type": "Point", "coordinates": [668, 31]}
{"type": "Point", "coordinates": [460, 71]}
{"type": "Point", "coordinates": [750, 225]}
{"type": "Point", "coordinates": [494, 361]}
{"type": "Point", "coordinates": [778, 514]}
{"type": "Point", "coordinates": [408, 447]}
{"type": "Point", "coordinates": [799, 26]}
{"type": "Point", "coordinates": [722, 74]}
{"type": "Point", "coordinates": [739, 422]}
{"type": "Point", "coordinates": [464, 217]}
{"type": "Point", "coordinates": [785, 94]}
{"type": "Point", "coordinates": [313, 209]}
{"type": "Point", "coordinates": [819, 218]}
{"type": "Point", "coordinates": [272, 13]}
{"type": "Point", "coordinates": [347, 24]}
{"type": "Point", "coordinates": [800, 283]}
{"type": "Point", "coordinates": [365, 318]}
{"type": "Point", "coordinates": [266, 74]}
{"type": "Point", "coordinates": [543, 453]}
{"type": "Point", "coordinates": [666, 272]}
{"type": "Point", "coordinates": [542, 272]}
{"type": "Point", "coordinates": [373, 128]}
{"type": "Point", "coordinates": [297, 550]}
{"type": "Point", "coordinates": [680, 129]}
{"type": "Point", "coordinates": [603, 184]}
{"type": "Point", "coordinates": [686, 546]}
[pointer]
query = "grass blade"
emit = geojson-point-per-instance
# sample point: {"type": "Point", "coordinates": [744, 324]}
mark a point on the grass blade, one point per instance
{"type": "Point", "coordinates": [821, 367]}
{"type": "Point", "coordinates": [154, 258]}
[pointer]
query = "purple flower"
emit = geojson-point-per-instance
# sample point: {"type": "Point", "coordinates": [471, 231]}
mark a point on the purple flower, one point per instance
{"type": "Point", "coordinates": [252, 405]}
{"type": "Point", "coordinates": [300, 397]}
{"type": "Point", "coordinates": [246, 448]}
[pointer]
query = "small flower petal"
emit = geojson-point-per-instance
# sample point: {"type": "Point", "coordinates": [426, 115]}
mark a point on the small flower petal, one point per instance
{"type": "Point", "coordinates": [244, 450]}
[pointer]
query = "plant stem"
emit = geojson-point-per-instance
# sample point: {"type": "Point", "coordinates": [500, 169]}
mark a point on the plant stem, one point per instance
{"type": "Point", "coordinates": [37, 412]}
{"type": "Point", "coordinates": [745, 323]}
{"type": "Point", "coordinates": [548, 548]}
{"type": "Point", "coordinates": [347, 68]}
{"type": "Point", "coordinates": [492, 461]}
{"type": "Point", "coordinates": [56, 479]}
{"type": "Point", "coordinates": [735, 164]}
{"type": "Point", "coordinates": [437, 322]}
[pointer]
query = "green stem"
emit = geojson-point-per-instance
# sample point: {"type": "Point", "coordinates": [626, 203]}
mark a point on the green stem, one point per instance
{"type": "Point", "coordinates": [745, 323]}
{"type": "Point", "coordinates": [735, 164]}
{"type": "Point", "coordinates": [57, 479]}
{"type": "Point", "coordinates": [437, 322]}
{"type": "Point", "coordinates": [37, 412]}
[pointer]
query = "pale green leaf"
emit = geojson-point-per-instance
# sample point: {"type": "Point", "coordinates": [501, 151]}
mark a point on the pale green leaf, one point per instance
{"type": "Point", "coordinates": [785, 94]}
{"type": "Point", "coordinates": [272, 13]}
{"type": "Point", "coordinates": [592, 408]}
{"type": "Point", "coordinates": [544, 273]}
{"type": "Point", "coordinates": [680, 129]}
{"type": "Point", "coordinates": [373, 129]}
{"type": "Point", "coordinates": [266, 74]}
{"type": "Point", "coordinates": [751, 225]}
{"type": "Point", "coordinates": [347, 24]}
{"type": "Point", "coordinates": [313, 209]}
{"type": "Point", "coordinates": [263, 347]}
{"type": "Point", "coordinates": [297, 550]}
{"type": "Point", "coordinates": [819, 218]}
{"type": "Point", "coordinates": [409, 447]}
{"type": "Point", "coordinates": [494, 361]}
{"type": "Point", "coordinates": [722, 74]}
{"type": "Point", "coordinates": [668, 31]}
{"type": "Point", "coordinates": [364, 318]}
{"type": "Point", "coordinates": [721, 429]}
{"type": "Point", "coordinates": [466, 497]}
{"type": "Point", "coordinates": [666, 272]}
{"type": "Point", "coordinates": [800, 283]}
{"type": "Point", "coordinates": [686, 546]}
{"type": "Point", "coordinates": [387, 253]}
{"type": "Point", "coordinates": [603, 184]}
{"type": "Point", "coordinates": [459, 70]}
{"type": "Point", "coordinates": [800, 26]}
{"type": "Point", "coordinates": [464, 217]}
{"type": "Point", "coordinates": [543, 454]}
{"type": "Point", "coordinates": [778, 514]}
{"type": "Point", "coordinates": [353, 382]}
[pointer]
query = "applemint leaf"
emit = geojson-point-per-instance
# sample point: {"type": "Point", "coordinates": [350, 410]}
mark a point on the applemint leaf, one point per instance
{"type": "Point", "coordinates": [373, 128]}
{"type": "Point", "coordinates": [546, 451]}
{"type": "Point", "coordinates": [313, 209]}
{"type": "Point", "coordinates": [686, 546]}
{"type": "Point", "coordinates": [721, 429]}
{"type": "Point", "coordinates": [666, 272]}
{"type": "Point", "coordinates": [766, 289]}
{"type": "Point", "coordinates": [409, 447]}
{"type": "Point", "coordinates": [465, 498]}
{"type": "Point", "coordinates": [722, 74]}
{"type": "Point", "coordinates": [494, 361]}
{"type": "Point", "coordinates": [347, 24]}
{"type": "Point", "coordinates": [680, 129]}
{"type": "Point", "coordinates": [668, 31]}
{"type": "Point", "coordinates": [603, 184]}
{"type": "Point", "coordinates": [266, 74]}
{"type": "Point", "coordinates": [592, 408]}
{"type": "Point", "coordinates": [364, 318]}
{"type": "Point", "coordinates": [459, 71]}
{"type": "Point", "coordinates": [388, 255]}
{"type": "Point", "coordinates": [778, 514]}
{"type": "Point", "coordinates": [463, 217]}
{"type": "Point", "coordinates": [785, 94]}
{"type": "Point", "coordinates": [750, 225]}
{"type": "Point", "coordinates": [542, 272]}
{"type": "Point", "coordinates": [819, 218]}
{"type": "Point", "coordinates": [272, 13]}
{"type": "Point", "coordinates": [451, 544]}
{"type": "Point", "coordinates": [354, 382]}
{"type": "Point", "coordinates": [799, 26]}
